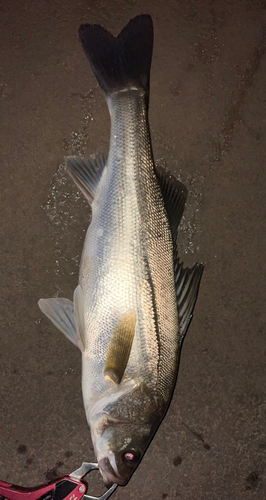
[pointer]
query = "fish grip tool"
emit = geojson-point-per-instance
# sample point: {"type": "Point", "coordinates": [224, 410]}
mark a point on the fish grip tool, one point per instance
{"type": "Point", "coordinates": [68, 487]}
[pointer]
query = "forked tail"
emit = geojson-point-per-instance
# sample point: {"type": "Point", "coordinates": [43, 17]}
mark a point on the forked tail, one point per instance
{"type": "Point", "coordinates": [120, 62]}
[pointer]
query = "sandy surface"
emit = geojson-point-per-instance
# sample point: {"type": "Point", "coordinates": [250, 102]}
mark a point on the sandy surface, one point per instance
{"type": "Point", "coordinates": [207, 116]}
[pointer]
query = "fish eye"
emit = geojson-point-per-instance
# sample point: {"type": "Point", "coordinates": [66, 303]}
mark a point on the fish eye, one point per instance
{"type": "Point", "coordinates": [131, 457]}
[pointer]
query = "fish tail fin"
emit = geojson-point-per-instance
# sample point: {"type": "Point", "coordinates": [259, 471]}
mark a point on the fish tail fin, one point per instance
{"type": "Point", "coordinates": [120, 62]}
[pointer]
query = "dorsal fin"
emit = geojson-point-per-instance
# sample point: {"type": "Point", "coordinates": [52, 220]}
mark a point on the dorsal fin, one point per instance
{"type": "Point", "coordinates": [187, 283]}
{"type": "Point", "coordinates": [86, 173]}
{"type": "Point", "coordinates": [174, 194]}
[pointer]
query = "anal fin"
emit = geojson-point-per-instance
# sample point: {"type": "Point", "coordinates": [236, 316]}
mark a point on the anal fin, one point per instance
{"type": "Point", "coordinates": [86, 173]}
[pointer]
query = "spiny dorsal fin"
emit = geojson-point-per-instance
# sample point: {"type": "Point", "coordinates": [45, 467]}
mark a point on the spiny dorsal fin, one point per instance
{"type": "Point", "coordinates": [120, 347]}
{"type": "Point", "coordinates": [61, 313]}
{"type": "Point", "coordinates": [187, 286]}
{"type": "Point", "coordinates": [86, 173]}
{"type": "Point", "coordinates": [174, 195]}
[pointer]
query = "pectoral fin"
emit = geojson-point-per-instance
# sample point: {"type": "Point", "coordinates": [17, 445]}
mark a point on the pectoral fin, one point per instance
{"type": "Point", "coordinates": [120, 347]}
{"type": "Point", "coordinates": [61, 313]}
{"type": "Point", "coordinates": [79, 314]}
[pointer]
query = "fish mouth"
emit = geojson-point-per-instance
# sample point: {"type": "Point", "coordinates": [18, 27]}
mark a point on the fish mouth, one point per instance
{"type": "Point", "coordinates": [110, 476]}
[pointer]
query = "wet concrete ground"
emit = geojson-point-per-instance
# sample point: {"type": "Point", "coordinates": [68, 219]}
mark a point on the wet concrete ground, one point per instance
{"type": "Point", "coordinates": [207, 116]}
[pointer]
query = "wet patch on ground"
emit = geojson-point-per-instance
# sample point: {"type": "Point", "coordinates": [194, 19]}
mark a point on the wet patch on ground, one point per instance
{"type": "Point", "coordinates": [54, 472]}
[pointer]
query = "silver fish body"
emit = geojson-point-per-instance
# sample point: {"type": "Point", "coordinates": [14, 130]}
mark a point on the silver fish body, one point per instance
{"type": "Point", "coordinates": [127, 262]}
{"type": "Point", "coordinates": [134, 300]}
{"type": "Point", "coordinates": [127, 265]}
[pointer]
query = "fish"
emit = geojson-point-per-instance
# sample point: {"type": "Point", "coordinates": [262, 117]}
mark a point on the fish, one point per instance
{"type": "Point", "coordinates": [135, 299]}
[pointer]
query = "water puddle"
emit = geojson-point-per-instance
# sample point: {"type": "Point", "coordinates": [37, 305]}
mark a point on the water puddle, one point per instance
{"type": "Point", "coordinates": [66, 208]}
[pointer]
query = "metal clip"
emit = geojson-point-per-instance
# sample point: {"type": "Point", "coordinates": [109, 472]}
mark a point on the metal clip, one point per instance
{"type": "Point", "coordinates": [85, 469]}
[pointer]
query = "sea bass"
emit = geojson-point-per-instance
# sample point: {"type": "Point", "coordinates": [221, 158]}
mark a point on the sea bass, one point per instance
{"type": "Point", "coordinates": [134, 301]}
